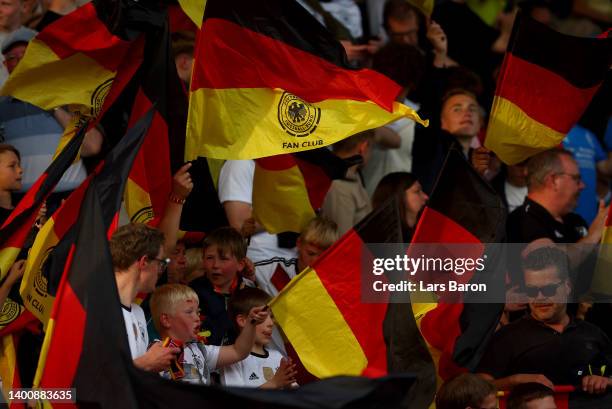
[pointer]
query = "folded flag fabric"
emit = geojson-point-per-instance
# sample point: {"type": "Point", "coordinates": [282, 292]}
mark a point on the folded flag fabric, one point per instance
{"type": "Point", "coordinates": [545, 84]}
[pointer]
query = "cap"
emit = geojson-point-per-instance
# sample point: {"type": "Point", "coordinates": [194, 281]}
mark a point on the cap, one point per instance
{"type": "Point", "coordinates": [21, 35]}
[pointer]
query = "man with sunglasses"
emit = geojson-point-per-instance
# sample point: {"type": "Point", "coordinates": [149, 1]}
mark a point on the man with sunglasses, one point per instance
{"type": "Point", "coordinates": [548, 346]}
{"type": "Point", "coordinates": [138, 257]}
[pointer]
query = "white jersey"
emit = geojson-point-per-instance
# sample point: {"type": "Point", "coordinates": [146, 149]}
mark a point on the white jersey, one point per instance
{"type": "Point", "coordinates": [197, 361]}
{"type": "Point", "coordinates": [136, 328]}
{"type": "Point", "coordinates": [253, 371]}
{"type": "Point", "coordinates": [273, 274]}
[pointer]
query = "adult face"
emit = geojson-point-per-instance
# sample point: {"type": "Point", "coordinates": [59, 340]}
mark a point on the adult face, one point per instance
{"type": "Point", "coordinates": [404, 31]}
{"type": "Point", "coordinates": [547, 294]}
{"type": "Point", "coordinates": [567, 184]}
{"type": "Point", "coordinates": [14, 55]}
{"type": "Point", "coordinates": [151, 271]}
{"type": "Point", "coordinates": [415, 200]}
{"type": "Point", "coordinates": [460, 115]}
{"type": "Point", "coordinates": [10, 14]}
{"type": "Point", "coordinates": [177, 266]}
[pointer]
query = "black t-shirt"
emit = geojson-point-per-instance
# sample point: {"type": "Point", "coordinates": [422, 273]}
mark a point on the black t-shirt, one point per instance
{"type": "Point", "coordinates": [528, 346]}
{"type": "Point", "coordinates": [4, 214]}
{"type": "Point", "coordinates": [531, 221]}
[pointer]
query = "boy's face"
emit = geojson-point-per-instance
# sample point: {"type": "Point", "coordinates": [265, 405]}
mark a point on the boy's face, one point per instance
{"type": "Point", "coordinates": [184, 323]}
{"type": "Point", "coordinates": [307, 254]}
{"type": "Point", "coordinates": [263, 331]}
{"type": "Point", "coordinates": [221, 269]}
{"type": "Point", "coordinates": [10, 171]}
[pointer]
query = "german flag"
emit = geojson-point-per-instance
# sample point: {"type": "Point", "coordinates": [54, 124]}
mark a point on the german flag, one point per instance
{"type": "Point", "coordinates": [463, 209]}
{"type": "Point", "coordinates": [545, 84]}
{"type": "Point", "coordinates": [73, 61]}
{"type": "Point", "coordinates": [148, 186]}
{"type": "Point", "coordinates": [16, 228]}
{"type": "Point", "coordinates": [349, 339]}
{"type": "Point", "coordinates": [288, 189]}
{"type": "Point", "coordinates": [69, 311]}
{"type": "Point", "coordinates": [49, 256]}
{"type": "Point", "coordinates": [268, 79]}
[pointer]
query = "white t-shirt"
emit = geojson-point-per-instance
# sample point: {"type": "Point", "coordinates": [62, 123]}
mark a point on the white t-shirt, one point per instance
{"type": "Point", "coordinates": [136, 328]}
{"type": "Point", "coordinates": [253, 371]}
{"type": "Point", "coordinates": [514, 195]}
{"type": "Point", "coordinates": [197, 360]}
{"type": "Point", "coordinates": [273, 274]}
{"type": "Point", "coordinates": [236, 184]}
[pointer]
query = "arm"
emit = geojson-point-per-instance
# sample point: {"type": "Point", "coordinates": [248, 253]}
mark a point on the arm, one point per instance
{"type": "Point", "coordinates": [507, 383]}
{"type": "Point", "coordinates": [439, 41]}
{"type": "Point", "coordinates": [14, 274]}
{"type": "Point", "coordinates": [157, 358]}
{"type": "Point", "coordinates": [230, 354]}
{"type": "Point", "coordinates": [169, 223]}
{"type": "Point", "coordinates": [387, 138]}
{"type": "Point", "coordinates": [605, 166]}
{"type": "Point", "coordinates": [92, 143]}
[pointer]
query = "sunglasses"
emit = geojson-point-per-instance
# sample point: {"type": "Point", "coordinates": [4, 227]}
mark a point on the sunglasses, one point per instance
{"type": "Point", "coordinates": [163, 263]}
{"type": "Point", "coordinates": [547, 290]}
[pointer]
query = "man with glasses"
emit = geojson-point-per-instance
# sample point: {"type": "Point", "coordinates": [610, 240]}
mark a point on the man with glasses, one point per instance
{"type": "Point", "coordinates": [548, 346]}
{"type": "Point", "coordinates": [138, 257]}
{"type": "Point", "coordinates": [553, 188]}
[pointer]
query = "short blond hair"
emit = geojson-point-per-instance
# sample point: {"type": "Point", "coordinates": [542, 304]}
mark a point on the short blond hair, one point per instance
{"type": "Point", "coordinates": [320, 232]}
{"type": "Point", "coordinates": [165, 299]}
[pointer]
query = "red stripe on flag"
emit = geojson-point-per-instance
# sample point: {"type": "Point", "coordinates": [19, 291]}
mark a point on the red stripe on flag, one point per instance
{"type": "Point", "coordinates": [434, 227]}
{"type": "Point", "coordinates": [317, 182]}
{"type": "Point", "coordinates": [65, 37]}
{"type": "Point", "coordinates": [440, 328]}
{"type": "Point", "coordinates": [343, 283]}
{"type": "Point", "coordinates": [277, 162]}
{"type": "Point", "coordinates": [247, 59]}
{"type": "Point", "coordinates": [69, 317]}
{"type": "Point", "coordinates": [544, 96]}
{"type": "Point", "coordinates": [155, 179]}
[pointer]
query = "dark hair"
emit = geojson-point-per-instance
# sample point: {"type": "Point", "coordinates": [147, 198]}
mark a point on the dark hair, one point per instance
{"type": "Point", "coordinates": [524, 393]}
{"type": "Point", "coordinates": [395, 183]}
{"type": "Point", "coordinates": [132, 241]}
{"type": "Point", "coordinates": [400, 10]}
{"type": "Point", "coordinates": [182, 42]}
{"type": "Point", "coordinates": [243, 300]}
{"type": "Point", "coordinates": [348, 144]}
{"type": "Point", "coordinates": [227, 240]}
{"type": "Point", "coordinates": [545, 257]}
{"type": "Point", "coordinates": [5, 147]}
{"type": "Point", "coordinates": [462, 391]}
{"type": "Point", "coordinates": [402, 63]}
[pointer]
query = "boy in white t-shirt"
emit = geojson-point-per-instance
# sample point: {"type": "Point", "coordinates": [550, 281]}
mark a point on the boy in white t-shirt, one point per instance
{"type": "Point", "coordinates": [265, 367]}
{"type": "Point", "coordinates": [176, 315]}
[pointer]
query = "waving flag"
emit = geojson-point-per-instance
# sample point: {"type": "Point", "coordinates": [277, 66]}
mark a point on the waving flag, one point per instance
{"type": "Point", "coordinates": [268, 79]}
{"type": "Point", "coordinates": [546, 83]}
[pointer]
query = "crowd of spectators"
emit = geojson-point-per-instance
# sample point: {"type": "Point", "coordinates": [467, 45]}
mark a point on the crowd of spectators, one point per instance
{"type": "Point", "coordinates": [207, 321]}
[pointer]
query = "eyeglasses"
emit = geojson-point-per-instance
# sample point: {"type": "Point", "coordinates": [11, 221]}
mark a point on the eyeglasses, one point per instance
{"type": "Point", "coordinates": [576, 176]}
{"type": "Point", "coordinates": [163, 263]}
{"type": "Point", "coordinates": [547, 290]}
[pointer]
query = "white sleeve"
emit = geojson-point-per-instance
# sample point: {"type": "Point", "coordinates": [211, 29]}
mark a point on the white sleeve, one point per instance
{"type": "Point", "coordinates": [233, 375]}
{"type": "Point", "coordinates": [212, 355]}
{"type": "Point", "coordinates": [236, 181]}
